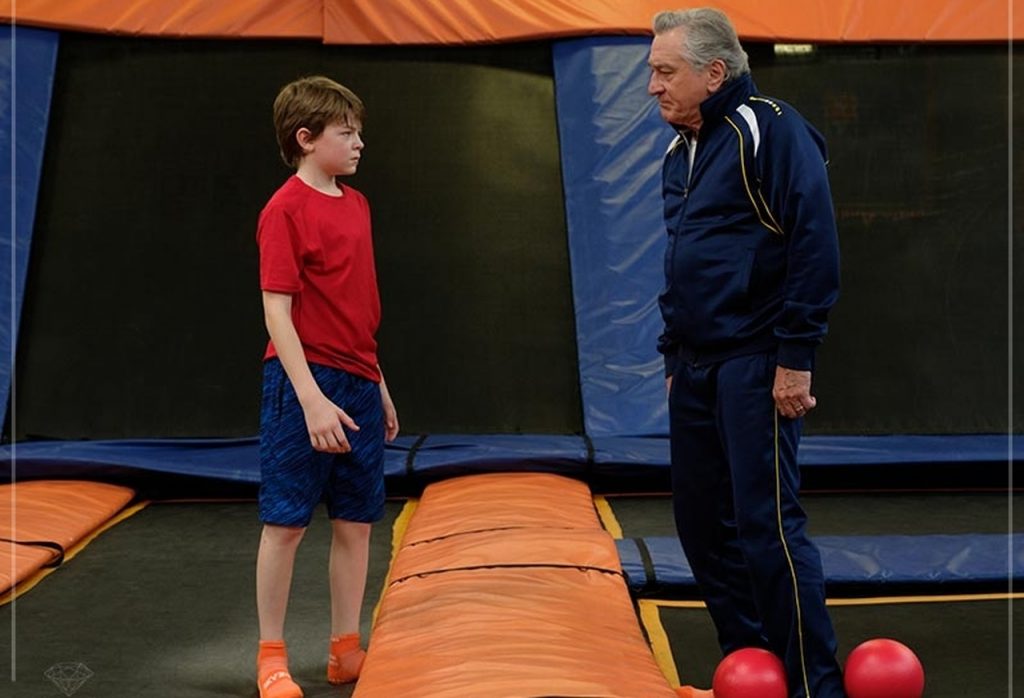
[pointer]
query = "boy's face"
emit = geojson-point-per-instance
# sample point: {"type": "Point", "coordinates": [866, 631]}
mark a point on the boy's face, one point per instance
{"type": "Point", "coordinates": [337, 150]}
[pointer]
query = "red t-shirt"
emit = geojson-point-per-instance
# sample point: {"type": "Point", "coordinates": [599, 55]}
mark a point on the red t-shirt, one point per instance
{"type": "Point", "coordinates": [318, 248]}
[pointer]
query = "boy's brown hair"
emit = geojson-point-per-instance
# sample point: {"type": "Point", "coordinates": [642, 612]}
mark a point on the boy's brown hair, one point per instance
{"type": "Point", "coordinates": [312, 103]}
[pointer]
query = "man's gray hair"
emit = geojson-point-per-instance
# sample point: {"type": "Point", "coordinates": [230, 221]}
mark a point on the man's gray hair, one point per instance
{"type": "Point", "coordinates": [709, 35]}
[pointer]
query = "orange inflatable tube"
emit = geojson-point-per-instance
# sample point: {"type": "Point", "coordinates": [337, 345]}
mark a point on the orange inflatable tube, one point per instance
{"type": "Point", "coordinates": [506, 586]}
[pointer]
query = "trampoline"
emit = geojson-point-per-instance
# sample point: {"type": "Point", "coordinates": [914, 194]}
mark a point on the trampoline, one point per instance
{"type": "Point", "coordinates": [136, 608]}
{"type": "Point", "coordinates": [527, 547]}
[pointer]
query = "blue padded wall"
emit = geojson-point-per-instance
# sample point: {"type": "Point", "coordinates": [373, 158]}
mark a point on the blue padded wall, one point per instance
{"type": "Point", "coordinates": [612, 138]}
{"type": "Point", "coordinates": [28, 59]}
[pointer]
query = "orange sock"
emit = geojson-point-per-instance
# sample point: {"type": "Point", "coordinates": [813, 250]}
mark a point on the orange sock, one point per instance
{"type": "Point", "coordinates": [691, 692]}
{"type": "Point", "coordinates": [272, 671]}
{"type": "Point", "coordinates": [345, 659]}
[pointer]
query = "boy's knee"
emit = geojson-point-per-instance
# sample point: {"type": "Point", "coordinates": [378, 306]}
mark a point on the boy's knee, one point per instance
{"type": "Point", "coordinates": [350, 531]}
{"type": "Point", "coordinates": [283, 535]}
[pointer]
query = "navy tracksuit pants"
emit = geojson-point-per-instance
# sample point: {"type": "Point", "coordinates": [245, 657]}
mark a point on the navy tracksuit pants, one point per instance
{"type": "Point", "coordinates": [735, 485]}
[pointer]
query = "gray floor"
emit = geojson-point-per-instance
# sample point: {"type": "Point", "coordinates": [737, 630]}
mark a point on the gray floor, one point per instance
{"type": "Point", "coordinates": [163, 605]}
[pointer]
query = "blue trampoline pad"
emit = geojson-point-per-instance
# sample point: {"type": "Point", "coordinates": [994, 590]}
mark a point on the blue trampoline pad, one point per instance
{"type": "Point", "coordinates": [656, 566]}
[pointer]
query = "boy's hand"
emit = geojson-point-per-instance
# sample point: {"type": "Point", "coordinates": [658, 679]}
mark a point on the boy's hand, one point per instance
{"type": "Point", "coordinates": [324, 421]}
{"type": "Point", "coordinates": [390, 414]}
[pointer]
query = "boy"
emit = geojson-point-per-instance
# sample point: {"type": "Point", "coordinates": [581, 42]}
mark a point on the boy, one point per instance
{"type": "Point", "coordinates": [326, 411]}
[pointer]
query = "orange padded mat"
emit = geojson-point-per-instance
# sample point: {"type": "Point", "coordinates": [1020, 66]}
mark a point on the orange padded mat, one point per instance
{"type": "Point", "coordinates": [40, 519]}
{"type": "Point", "coordinates": [506, 586]}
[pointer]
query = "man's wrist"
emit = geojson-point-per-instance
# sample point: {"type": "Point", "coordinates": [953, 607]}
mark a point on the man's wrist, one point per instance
{"type": "Point", "coordinates": [796, 357]}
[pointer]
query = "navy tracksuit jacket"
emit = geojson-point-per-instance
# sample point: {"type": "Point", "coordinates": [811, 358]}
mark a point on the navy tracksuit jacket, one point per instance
{"type": "Point", "coordinates": [751, 270]}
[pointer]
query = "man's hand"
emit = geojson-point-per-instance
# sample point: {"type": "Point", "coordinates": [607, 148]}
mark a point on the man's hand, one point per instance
{"type": "Point", "coordinates": [792, 392]}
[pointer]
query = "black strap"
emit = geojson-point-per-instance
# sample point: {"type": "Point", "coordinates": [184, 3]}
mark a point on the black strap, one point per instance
{"type": "Point", "coordinates": [650, 576]}
{"type": "Point", "coordinates": [588, 442]}
{"type": "Point", "coordinates": [410, 457]}
{"type": "Point", "coordinates": [58, 559]}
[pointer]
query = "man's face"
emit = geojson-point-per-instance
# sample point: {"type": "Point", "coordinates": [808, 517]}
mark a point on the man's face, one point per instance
{"type": "Point", "coordinates": [678, 88]}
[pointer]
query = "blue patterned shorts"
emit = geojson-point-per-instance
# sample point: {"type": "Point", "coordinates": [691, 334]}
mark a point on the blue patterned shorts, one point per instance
{"type": "Point", "coordinates": [295, 477]}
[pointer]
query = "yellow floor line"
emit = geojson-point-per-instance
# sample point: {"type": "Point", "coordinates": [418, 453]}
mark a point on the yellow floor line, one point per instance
{"type": "Point", "coordinates": [650, 616]}
{"type": "Point", "coordinates": [873, 600]}
{"type": "Point", "coordinates": [607, 516]}
{"type": "Point", "coordinates": [674, 604]}
{"type": "Point", "coordinates": [397, 534]}
{"type": "Point", "coordinates": [947, 598]}
{"type": "Point", "coordinates": [26, 585]}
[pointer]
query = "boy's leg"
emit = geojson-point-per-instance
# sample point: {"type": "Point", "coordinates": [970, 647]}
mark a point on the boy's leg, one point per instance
{"type": "Point", "coordinates": [350, 554]}
{"type": "Point", "coordinates": [293, 477]}
{"type": "Point", "coordinates": [274, 564]}
{"type": "Point", "coordinates": [355, 499]}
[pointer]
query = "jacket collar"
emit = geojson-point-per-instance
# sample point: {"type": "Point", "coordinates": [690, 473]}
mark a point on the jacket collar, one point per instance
{"type": "Point", "coordinates": [729, 96]}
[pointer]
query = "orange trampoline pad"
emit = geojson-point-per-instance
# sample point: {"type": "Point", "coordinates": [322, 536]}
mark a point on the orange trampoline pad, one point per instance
{"type": "Point", "coordinates": [501, 500]}
{"type": "Point", "coordinates": [510, 633]}
{"type": "Point", "coordinates": [507, 586]}
{"type": "Point", "coordinates": [580, 548]}
{"type": "Point", "coordinates": [57, 511]}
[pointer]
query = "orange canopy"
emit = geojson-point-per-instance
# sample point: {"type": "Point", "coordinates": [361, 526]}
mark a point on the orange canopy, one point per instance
{"type": "Point", "coordinates": [475, 21]}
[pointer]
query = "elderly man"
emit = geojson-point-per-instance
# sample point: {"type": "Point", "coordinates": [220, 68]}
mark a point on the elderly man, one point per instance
{"type": "Point", "coordinates": [751, 271]}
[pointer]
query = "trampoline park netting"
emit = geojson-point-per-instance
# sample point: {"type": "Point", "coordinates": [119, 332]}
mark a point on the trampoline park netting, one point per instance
{"type": "Point", "coordinates": [514, 184]}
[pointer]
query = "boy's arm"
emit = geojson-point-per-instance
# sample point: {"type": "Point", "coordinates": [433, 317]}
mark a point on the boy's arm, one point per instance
{"type": "Point", "coordinates": [390, 414]}
{"type": "Point", "coordinates": [324, 419]}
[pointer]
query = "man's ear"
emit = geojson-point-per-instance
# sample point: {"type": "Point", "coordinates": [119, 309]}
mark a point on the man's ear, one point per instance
{"type": "Point", "coordinates": [304, 137]}
{"type": "Point", "coordinates": [717, 73]}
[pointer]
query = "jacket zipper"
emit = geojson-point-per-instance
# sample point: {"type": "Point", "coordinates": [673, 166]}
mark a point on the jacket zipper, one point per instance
{"type": "Point", "coordinates": [691, 152]}
{"type": "Point", "coordinates": [691, 148]}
